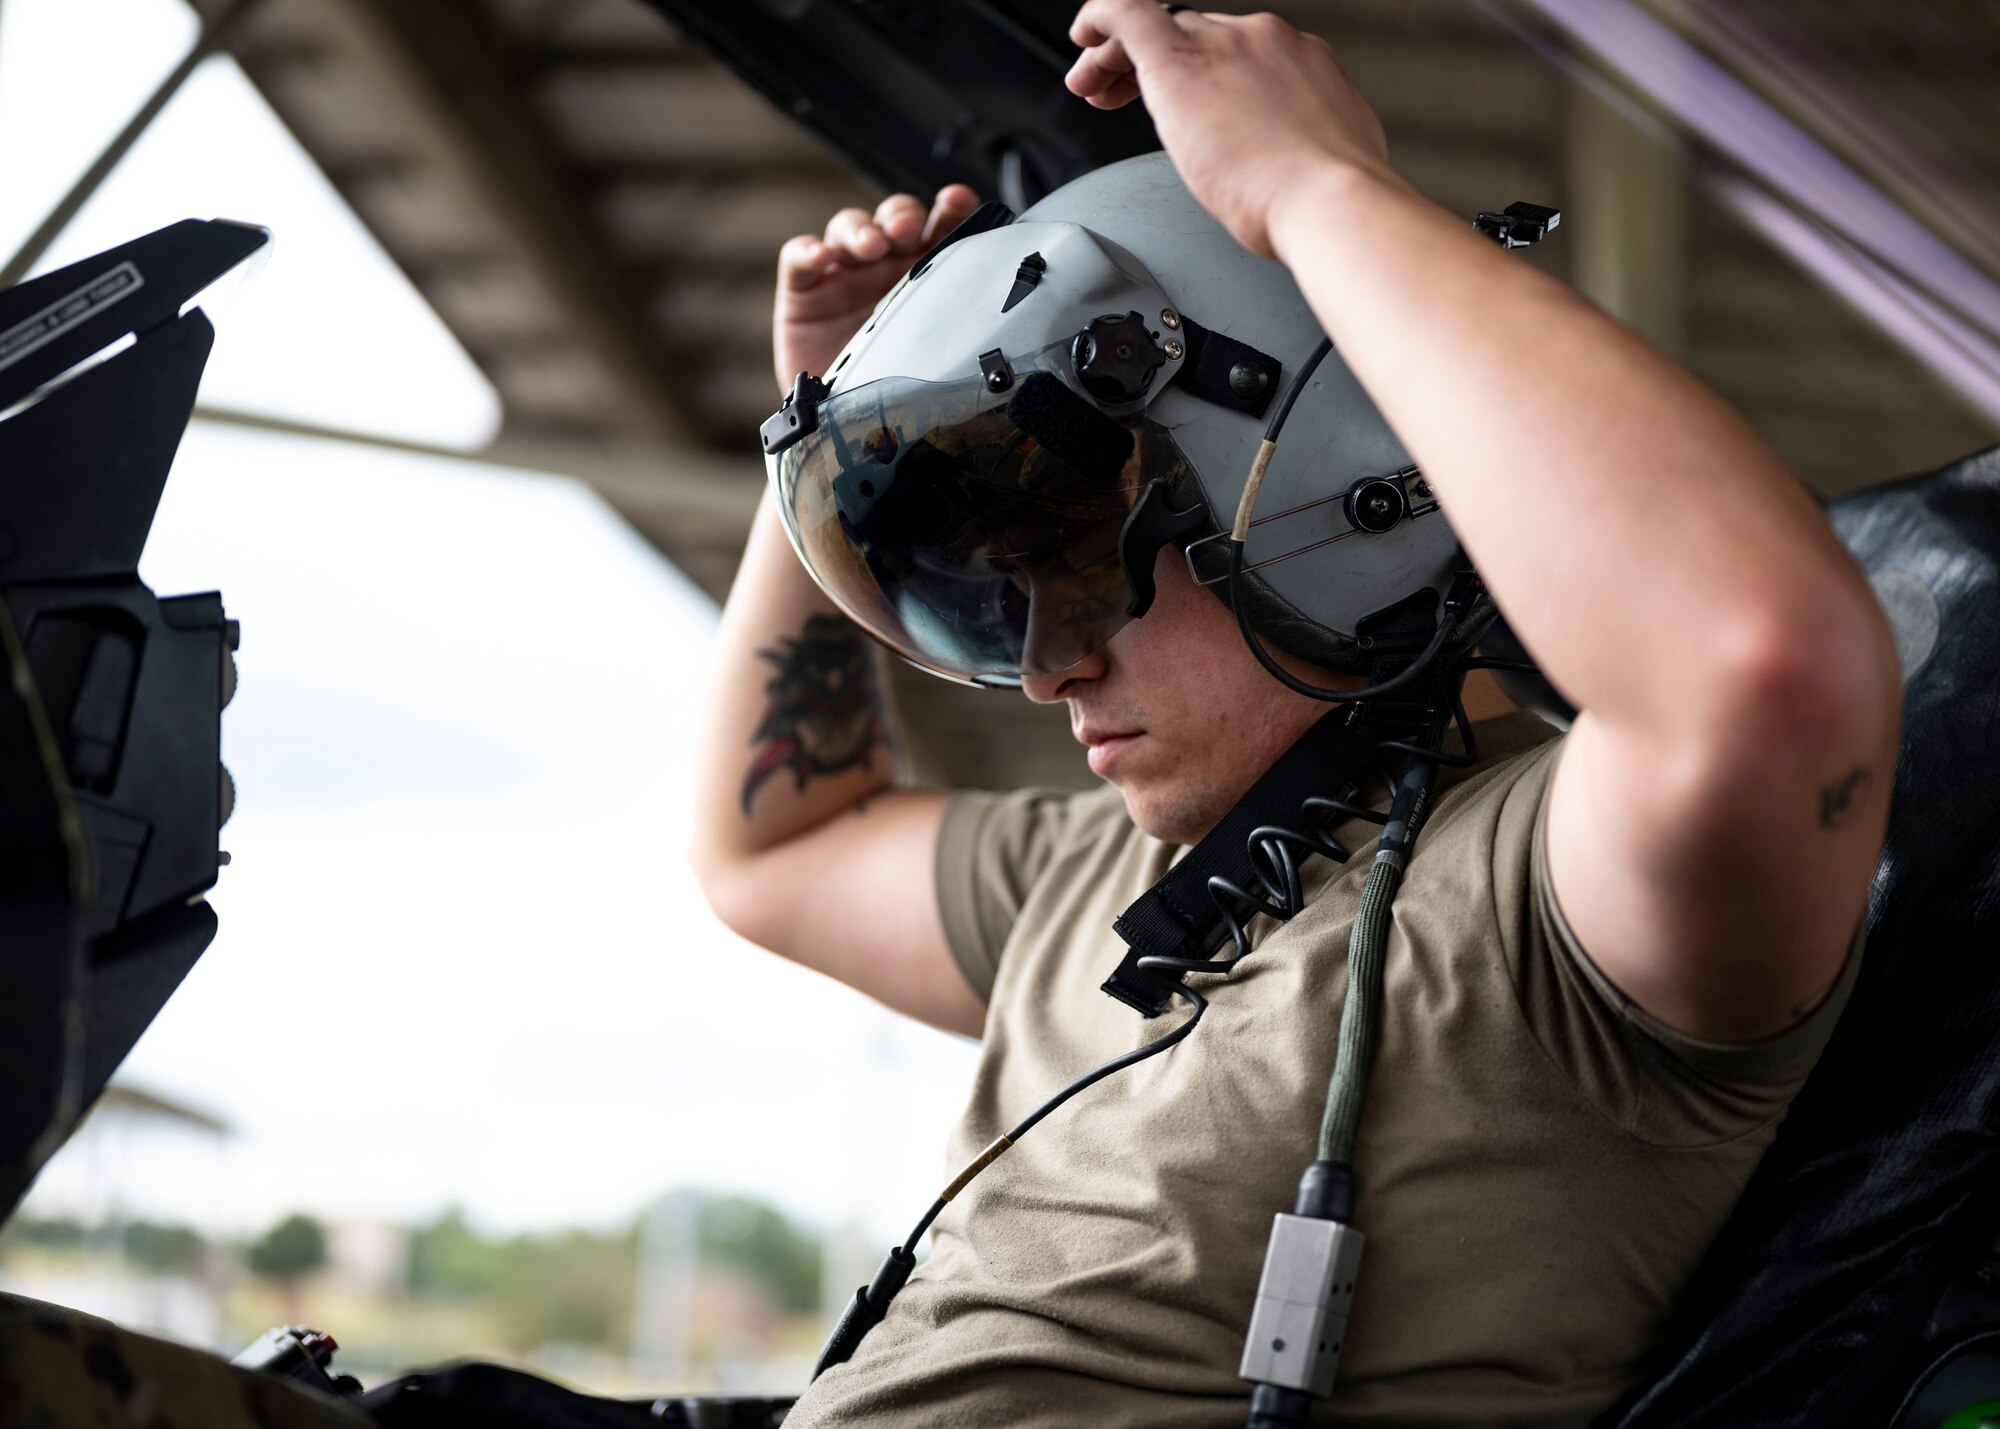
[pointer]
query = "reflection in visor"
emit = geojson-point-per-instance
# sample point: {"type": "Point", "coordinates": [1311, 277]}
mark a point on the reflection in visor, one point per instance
{"type": "Point", "coordinates": [976, 535]}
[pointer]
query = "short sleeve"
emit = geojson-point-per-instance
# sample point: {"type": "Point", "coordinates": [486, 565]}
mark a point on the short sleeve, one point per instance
{"type": "Point", "coordinates": [1661, 1085]}
{"type": "Point", "coordinates": [990, 850]}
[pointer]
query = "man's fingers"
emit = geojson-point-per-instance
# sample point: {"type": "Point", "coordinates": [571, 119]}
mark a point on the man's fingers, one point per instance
{"type": "Point", "coordinates": [1117, 96]}
{"type": "Point", "coordinates": [1117, 36]}
{"type": "Point", "coordinates": [852, 232]}
{"type": "Point", "coordinates": [1132, 24]}
{"type": "Point", "coordinates": [900, 225]}
{"type": "Point", "coordinates": [1099, 70]}
{"type": "Point", "coordinates": [802, 262]}
{"type": "Point", "coordinates": [901, 219]}
{"type": "Point", "coordinates": [955, 203]}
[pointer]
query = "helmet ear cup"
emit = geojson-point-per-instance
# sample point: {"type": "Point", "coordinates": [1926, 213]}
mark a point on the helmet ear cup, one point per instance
{"type": "Point", "coordinates": [1282, 624]}
{"type": "Point", "coordinates": [1272, 616]}
{"type": "Point", "coordinates": [1278, 622]}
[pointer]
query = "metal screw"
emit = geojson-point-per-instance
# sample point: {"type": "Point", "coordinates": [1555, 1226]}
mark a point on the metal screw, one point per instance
{"type": "Point", "coordinates": [1172, 348]}
{"type": "Point", "coordinates": [996, 381]}
{"type": "Point", "coordinates": [1169, 318]}
{"type": "Point", "coordinates": [1248, 379]}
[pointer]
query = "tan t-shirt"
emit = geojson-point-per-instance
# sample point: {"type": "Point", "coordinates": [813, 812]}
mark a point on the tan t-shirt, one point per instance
{"type": "Point", "coordinates": [1540, 1164]}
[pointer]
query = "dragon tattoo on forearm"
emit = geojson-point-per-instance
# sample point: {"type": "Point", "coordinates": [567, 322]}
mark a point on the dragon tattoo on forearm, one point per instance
{"type": "Point", "coordinates": [824, 710]}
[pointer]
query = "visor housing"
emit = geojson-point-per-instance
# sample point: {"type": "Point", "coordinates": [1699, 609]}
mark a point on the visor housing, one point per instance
{"type": "Point", "coordinates": [974, 532]}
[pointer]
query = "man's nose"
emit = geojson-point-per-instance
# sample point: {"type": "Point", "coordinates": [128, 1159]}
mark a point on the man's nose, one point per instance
{"type": "Point", "coordinates": [1060, 685]}
{"type": "Point", "coordinates": [1058, 628]}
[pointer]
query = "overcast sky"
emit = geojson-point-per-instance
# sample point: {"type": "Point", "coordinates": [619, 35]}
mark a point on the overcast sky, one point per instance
{"type": "Point", "coordinates": [460, 958]}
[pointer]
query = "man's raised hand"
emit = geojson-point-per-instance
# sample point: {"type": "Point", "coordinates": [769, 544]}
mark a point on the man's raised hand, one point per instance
{"type": "Point", "coordinates": [1247, 107]}
{"type": "Point", "coordinates": [828, 284]}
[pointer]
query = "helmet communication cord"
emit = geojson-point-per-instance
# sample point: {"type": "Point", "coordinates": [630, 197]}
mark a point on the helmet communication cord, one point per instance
{"type": "Point", "coordinates": [871, 1301]}
{"type": "Point", "coordinates": [1299, 1320]}
{"type": "Point", "coordinates": [1292, 1350]}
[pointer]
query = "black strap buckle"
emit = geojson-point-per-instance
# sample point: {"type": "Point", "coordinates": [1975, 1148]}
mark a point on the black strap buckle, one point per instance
{"type": "Point", "coordinates": [1176, 917]}
{"type": "Point", "coordinates": [798, 417]}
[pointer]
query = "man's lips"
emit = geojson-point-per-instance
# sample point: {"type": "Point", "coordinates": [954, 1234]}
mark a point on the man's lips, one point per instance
{"type": "Point", "coordinates": [1107, 745]}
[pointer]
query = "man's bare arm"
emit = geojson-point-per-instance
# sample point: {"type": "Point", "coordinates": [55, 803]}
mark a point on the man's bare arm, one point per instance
{"type": "Point", "coordinates": [802, 842]}
{"type": "Point", "coordinates": [1720, 805]}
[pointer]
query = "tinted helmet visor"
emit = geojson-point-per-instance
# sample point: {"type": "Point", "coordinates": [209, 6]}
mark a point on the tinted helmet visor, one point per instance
{"type": "Point", "coordinates": [975, 533]}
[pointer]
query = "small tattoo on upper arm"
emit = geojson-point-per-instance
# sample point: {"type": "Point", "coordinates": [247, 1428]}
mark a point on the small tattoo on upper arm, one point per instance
{"type": "Point", "coordinates": [823, 710]}
{"type": "Point", "coordinates": [1836, 799]}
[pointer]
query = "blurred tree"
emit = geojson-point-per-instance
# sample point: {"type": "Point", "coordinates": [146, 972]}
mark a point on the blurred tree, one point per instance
{"type": "Point", "coordinates": [163, 1250]}
{"type": "Point", "coordinates": [451, 1261]}
{"type": "Point", "coordinates": [573, 1287]}
{"type": "Point", "coordinates": [56, 1233]}
{"type": "Point", "coordinates": [294, 1247]}
{"type": "Point", "coordinates": [576, 1287]}
{"type": "Point", "coordinates": [760, 1243]}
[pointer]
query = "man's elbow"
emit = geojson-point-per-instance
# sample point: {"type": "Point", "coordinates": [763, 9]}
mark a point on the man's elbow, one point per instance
{"type": "Point", "coordinates": [1812, 674]}
{"type": "Point", "coordinates": [730, 887]}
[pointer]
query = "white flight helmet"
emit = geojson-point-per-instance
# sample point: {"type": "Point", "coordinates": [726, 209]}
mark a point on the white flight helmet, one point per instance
{"type": "Point", "coordinates": [984, 477]}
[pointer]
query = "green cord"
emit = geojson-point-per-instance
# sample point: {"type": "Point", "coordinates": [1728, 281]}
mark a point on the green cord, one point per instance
{"type": "Point", "coordinates": [1360, 1019]}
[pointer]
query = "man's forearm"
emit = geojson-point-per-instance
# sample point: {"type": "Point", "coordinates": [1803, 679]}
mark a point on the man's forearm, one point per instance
{"type": "Point", "coordinates": [798, 726]}
{"type": "Point", "coordinates": [1636, 529]}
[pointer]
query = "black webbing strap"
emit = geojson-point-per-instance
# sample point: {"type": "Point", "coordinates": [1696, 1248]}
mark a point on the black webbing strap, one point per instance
{"type": "Point", "coordinates": [1176, 917]}
{"type": "Point", "coordinates": [1229, 373]}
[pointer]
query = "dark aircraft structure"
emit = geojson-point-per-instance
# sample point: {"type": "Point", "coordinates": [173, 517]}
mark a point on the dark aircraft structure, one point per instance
{"type": "Point", "coordinates": [1855, 1283]}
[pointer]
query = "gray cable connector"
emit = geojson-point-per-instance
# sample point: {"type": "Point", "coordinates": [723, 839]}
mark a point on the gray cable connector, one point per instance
{"type": "Point", "coordinates": [1302, 1301]}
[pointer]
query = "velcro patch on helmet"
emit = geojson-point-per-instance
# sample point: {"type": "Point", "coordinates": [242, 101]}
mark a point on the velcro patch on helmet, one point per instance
{"type": "Point", "coordinates": [1229, 373]}
{"type": "Point", "coordinates": [1093, 446]}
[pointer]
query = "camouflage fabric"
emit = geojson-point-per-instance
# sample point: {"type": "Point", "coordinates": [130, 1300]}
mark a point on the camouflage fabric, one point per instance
{"type": "Point", "coordinates": [60, 1369]}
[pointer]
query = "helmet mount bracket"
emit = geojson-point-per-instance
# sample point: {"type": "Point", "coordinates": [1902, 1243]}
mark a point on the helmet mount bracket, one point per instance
{"type": "Point", "coordinates": [1153, 525]}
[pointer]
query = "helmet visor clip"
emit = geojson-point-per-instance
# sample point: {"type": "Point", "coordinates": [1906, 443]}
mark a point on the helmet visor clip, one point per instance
{"type": "Point", "coordinates": [993, 369]}
{"type": "Point", "coordinates": [797, 418]}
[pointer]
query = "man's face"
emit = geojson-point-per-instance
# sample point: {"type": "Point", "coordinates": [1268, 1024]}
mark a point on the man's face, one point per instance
{"type": "Point", "coordinates": [1177, 712]}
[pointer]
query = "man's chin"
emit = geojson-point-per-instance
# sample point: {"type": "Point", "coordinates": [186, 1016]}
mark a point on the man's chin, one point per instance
{"type": "Point", "coordinates": [1163, 811]}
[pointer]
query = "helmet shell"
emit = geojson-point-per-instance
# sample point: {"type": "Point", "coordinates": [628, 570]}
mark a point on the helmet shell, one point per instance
{"type": "Point", "coordinates": [1130, 237]}
{"type": "Point", "coordinates": [933, 326]}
